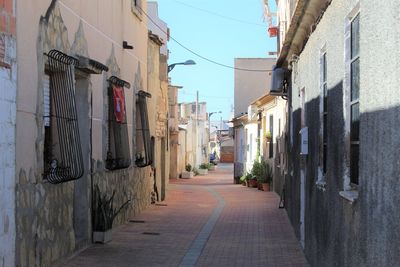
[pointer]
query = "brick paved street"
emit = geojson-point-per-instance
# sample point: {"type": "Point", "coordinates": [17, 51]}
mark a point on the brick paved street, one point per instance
{"type": "Point", "coordinates": [206, 221]}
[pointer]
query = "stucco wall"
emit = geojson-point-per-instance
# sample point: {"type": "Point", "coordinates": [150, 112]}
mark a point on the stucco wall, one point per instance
{"type": "Point", "coordinates": [8, 92]}
{"type": "Point", "coordinates": [379, 134]}
{"type": "Point", "coordinates": [249, 85]}
{"type": "Point", "coordinates": [337, 231]}
{"type": "Point", "coordinates": [46, 230]}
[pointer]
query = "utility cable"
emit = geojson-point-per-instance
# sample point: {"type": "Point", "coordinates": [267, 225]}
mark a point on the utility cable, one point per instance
{"type": "Point", "coordinates": [197, 54]}
{"type": "Point", "coordinates": [219, 15]}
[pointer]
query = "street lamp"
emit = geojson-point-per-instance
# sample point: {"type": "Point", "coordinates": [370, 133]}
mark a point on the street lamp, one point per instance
{"type": "Point", "coordinates": [187, 62]}
{"type": "Point", "coordinates": [209, 128]}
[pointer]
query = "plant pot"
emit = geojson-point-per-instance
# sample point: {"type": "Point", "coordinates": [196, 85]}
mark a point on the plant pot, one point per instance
{"type": "Point", "coordinates": [102, 237]}
{"type": "Point", "coordinates": [253, 183]}
{"type": "Point", "coordinates": [212, 167]}
{"type": "Point", "coordinates": [265, 186]}
{"type": "Point", "coordinates": [203, 171]}
{"type": "Point", "coordinates": [187, 175]}
{"type": "Point", "coordinates": [259, 186]}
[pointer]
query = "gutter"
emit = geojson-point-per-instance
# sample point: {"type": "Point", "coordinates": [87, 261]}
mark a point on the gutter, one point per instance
{"type": "Point", "coordinates": [305, 18]}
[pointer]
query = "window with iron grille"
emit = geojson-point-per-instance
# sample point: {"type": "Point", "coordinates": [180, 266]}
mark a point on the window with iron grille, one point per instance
{"type": "Point", "coordinates": [118, 153]}
{"type": "Point", "coordinates": [354, 98]}
{"type": "Point", "coordinates": [144, 154]}
{"type": "Point", "coordinates": [62, 152]}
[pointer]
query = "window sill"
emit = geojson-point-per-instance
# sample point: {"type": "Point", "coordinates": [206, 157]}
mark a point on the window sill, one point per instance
{"type": "Point", "coordinates": [321, 185]}
{"type": "Point", "coordinates": [350, 195]}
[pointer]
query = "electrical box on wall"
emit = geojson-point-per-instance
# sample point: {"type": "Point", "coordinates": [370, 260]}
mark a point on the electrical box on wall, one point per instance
{"type": "Point", "coordinates": [304, 141]}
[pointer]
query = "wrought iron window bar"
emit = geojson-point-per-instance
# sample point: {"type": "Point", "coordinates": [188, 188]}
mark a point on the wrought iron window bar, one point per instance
{"type": "Point", "coordinates": [145, 159]}
{"type": "Point", "coordinates": [118, 154]}
{"type": "Point", "coordinates": [64, 161]}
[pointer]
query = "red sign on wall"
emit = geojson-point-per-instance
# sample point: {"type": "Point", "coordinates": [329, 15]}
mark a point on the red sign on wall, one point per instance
{"type": "Point", "coordinates": [2, 49]}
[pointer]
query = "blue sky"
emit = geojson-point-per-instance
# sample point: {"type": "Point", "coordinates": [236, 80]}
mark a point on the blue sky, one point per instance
{"type": "Point", "coordinates": [217, 38]}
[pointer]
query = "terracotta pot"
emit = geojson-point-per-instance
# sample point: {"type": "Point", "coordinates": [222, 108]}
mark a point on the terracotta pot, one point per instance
{"type": "Point", "coordinates": [265, 186]}
{"type": "Point", "coordinates": [259, 186]}
{"type": "Point", "coordinates": [253, 183]}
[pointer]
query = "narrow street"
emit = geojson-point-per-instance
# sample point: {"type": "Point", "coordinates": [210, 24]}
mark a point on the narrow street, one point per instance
{"type": "Point", "coordinates": [206, 221]}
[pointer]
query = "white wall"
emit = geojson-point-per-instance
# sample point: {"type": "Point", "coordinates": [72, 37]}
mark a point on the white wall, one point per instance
{"type": "Point", "coordinates": [8, 92]}
{"type": "Point", "coordinates": [251, 85]}
{"type": "Point", "coordinates": [251, 141]}
{"type": "Point", "coordinates": [152, 9]}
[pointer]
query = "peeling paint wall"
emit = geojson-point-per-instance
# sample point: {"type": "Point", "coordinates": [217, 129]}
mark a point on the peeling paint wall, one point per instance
{"type": "Point", "coordinates": [8, 93]}
{"type": "Point", "coordinates": [53, 221]}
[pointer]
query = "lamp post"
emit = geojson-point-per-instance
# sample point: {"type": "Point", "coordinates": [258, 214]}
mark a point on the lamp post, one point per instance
{"type": "Point", "coordinates": [209, 130]}
{"type": "Point", "coordinates": [187, 62]}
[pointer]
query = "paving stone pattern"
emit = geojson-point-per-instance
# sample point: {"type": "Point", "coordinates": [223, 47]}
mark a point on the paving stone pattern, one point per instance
{"type": "Point", "coordinates": [207, 221]}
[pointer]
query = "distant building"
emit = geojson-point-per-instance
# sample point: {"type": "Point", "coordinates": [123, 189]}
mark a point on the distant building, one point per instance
{"type": "Point", "coordinates": [251, 84]}
{"type": "Point", "coordinates": [194, 121]}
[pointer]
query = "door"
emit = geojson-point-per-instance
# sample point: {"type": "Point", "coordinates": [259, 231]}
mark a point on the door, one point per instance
{"type": "Point", "coordinates": [303, 161]}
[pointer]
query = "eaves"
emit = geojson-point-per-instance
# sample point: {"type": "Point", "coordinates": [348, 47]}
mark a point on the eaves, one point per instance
{"type": "Point", "coordinates": [304, 21]}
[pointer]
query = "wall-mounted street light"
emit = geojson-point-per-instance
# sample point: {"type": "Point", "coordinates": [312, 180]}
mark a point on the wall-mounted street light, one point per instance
{"type": "Point", "coordinates": [187, 62]}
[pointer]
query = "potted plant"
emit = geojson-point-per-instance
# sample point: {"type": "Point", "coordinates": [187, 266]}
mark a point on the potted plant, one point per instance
{"type": "Point", "coordinates": [211, 166]}
{"type": "Point", "coordinates": [264, 176]}
{"type": "Point", "coordinates": [188, 173]}
{"type": "Point", "coordinates": [257, 171]}
{"type": "Point", "coordinates": [203, 169]}
{"type": "Point", "coordinates": [104, 214]}
{"type": "Point", "coordinates": [249, 176]}
{"type": "Point", "coordinates": [268, 136]}
{"type": "Point", "coordinates": [268, 177]}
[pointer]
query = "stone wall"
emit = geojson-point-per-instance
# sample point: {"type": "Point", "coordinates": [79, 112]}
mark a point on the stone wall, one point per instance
{"type": "Point", "coordinates": [8, 92]}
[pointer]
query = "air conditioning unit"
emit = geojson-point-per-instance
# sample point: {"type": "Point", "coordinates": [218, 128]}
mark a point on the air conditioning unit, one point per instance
{"type": "Point", "coordinates": [279, 82]}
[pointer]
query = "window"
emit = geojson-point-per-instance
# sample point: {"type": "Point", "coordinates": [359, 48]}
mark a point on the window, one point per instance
{"type": "Point", "coordinates": [118, 153]}
{"type": "Point", "coordinates": [324, 121]}
{"type": "Point", "coordinates": [251, 147]}
{"type": "Point", "coordinates": [144, 147]}
{"type": "Point", "coordinates": [137, 8]}
{"type": "Point", "coordinates": [271, 142]}
{"type": "Point", "coordinates": [62, 153]}
{"type": "Point", "coordinates": [354, 98]}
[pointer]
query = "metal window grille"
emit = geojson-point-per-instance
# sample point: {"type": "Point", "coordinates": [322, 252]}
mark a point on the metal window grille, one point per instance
{"type": "Point", "coordinates": [144, 156]}
{"type": "Point", "coordinates": [63, 160]}
{"type": "Point", "coordinates": [118, 154]}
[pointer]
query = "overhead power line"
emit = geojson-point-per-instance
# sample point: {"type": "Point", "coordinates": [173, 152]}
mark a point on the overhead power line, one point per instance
{"type": "Point", "coordinates": [197, 54]}
{"type": "Point", "coordinates": [219, 15]}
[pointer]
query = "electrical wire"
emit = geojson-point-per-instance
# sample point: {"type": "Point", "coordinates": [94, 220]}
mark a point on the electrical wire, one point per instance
{"type": "Point", "coordinates": [211, 96]}
{"type": "Point", "coordinates": [219, 15]}
{"type": "Point", "coordinates": [197, 54]}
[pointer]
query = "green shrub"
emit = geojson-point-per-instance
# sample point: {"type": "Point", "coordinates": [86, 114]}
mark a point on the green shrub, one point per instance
{"type": "Point", "coordinates": [188, 167]}
{"type": "Point", "coordinates": [262, 171]}
{"type": "Point", "coordinates": [203, 166]}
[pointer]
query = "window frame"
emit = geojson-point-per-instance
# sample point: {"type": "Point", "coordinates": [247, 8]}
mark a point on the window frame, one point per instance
{"type": "Point", "coordinates": [350, 190]}
{"type": "Point", "coordinates": [136, 8]}
{"type": "Point", "coordinates": [356, 101]}
{"type": "Point", "coordinates": [323, 85]}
